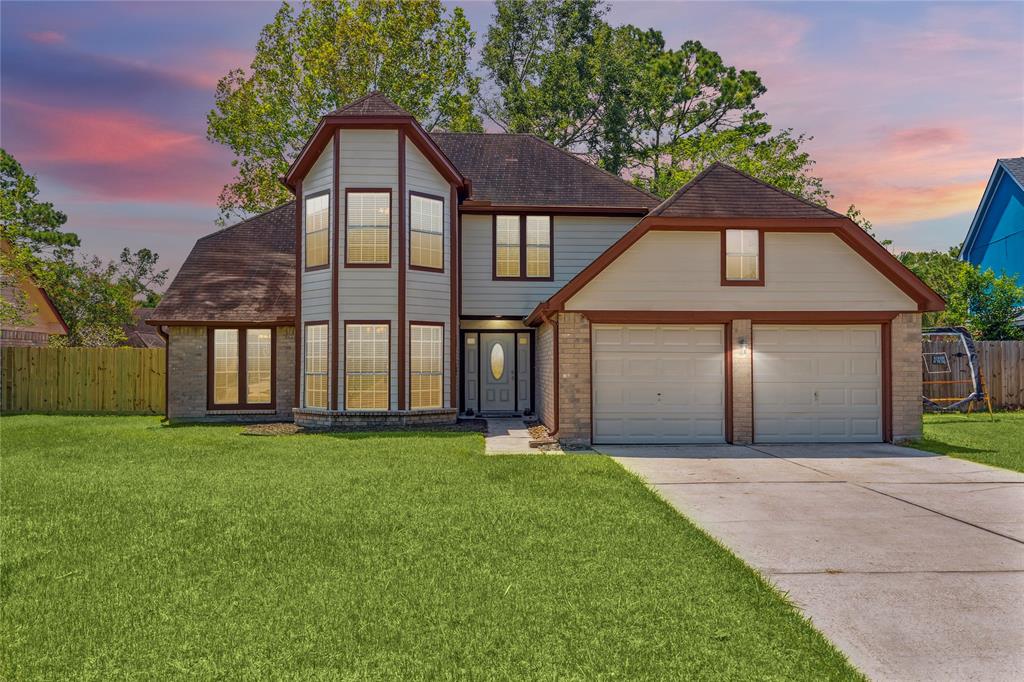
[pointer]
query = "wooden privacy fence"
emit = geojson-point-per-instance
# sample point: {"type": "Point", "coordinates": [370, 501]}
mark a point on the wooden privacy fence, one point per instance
{"type": "Point", "coordinates": [120, 380]}
{"type": "Point", "coordinates": [1002, 368]}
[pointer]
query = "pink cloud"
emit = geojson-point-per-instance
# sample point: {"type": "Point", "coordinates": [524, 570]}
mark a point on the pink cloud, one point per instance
{"type": "Point", "coordinates": [924, 138]}
{"type": "Point", "coordinates": [46, 37]}
{"type": "Point", "coordinates": [115, 154]}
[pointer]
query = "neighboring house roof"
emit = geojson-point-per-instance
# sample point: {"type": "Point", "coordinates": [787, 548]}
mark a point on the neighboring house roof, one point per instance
{"type": "Point", "coordinates": [46, 318]}
{"type": "Point", "coordinates": [524, 170]}
{"type": "Point", "coordinates": [140, 334]}
{"type": "Point", "coordinates": [703, 204]}
{"type": "Point", "coordinates": [1012, 168]}
{"type": "Point", "coordinates": [722, 191]}
{"type": "Point", "coordinates": [243, 273]}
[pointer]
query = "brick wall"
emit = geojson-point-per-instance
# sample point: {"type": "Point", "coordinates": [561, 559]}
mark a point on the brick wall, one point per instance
{"type": "Point", "coordinates": [574, 375]}
{"type": "Point", "coordinates": [186, 378]}
{"type": "Point", "coordinates": [742, 383]}
{"type": "Point", "coordinates": [906, 377]}
{"type": "Point", "coordinates": [545, 375]}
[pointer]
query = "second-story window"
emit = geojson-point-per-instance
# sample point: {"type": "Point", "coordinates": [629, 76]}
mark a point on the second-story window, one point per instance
{"type": "Point", "coordinates": [522, 247]}
{"type": "Point", "coordinates": [426, 232]}
{"type": "Point", "coordinates": [368, 228]}
{"type": "Point", "coordinates": [742, 258]}
{"type": "Point", "coordinates": [318, 211]}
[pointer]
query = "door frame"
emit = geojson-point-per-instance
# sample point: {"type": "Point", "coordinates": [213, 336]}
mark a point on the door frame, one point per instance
{"type": "Point", "coordinates": [479, 369]}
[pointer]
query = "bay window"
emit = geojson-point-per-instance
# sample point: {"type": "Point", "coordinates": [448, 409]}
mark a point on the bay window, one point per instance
{"type": "Point", "coordinates": [426, 232]}
{"type": "Point", "coordinates": [426, 345]}
{"type": "Point", "coordinates": [367, 365]}
{"type": "Point", "coordinates": [318, 211]}
{"type": "Point", "coordinates": [315, 365]}
{"type": "Point", "coordinates": [368, 228]}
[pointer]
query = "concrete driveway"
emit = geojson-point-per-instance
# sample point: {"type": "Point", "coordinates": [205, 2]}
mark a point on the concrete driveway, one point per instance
{"type": "Point", "coordinates": [911, 563]}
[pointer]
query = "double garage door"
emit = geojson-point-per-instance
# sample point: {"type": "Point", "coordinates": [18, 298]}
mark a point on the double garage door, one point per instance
{"type": "Point", "coordinates": [666, 383]}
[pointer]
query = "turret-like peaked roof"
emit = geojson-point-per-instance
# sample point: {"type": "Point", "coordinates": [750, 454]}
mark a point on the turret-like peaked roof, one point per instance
{"type": "Point", "coordinates": [372, 104]}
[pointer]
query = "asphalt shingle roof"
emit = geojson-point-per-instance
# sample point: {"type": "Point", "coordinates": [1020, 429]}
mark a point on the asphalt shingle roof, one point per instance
{"type": "Point", "coordinates": [1015, 166]}
{"type": "Point", "coordinates": [524, 170]}
{"type": "Point", "coordinates": [721, 191]}
{"type": "Point", "coordinates": [243, 273]}
{"type": "Point", "coordinates": [372, 104]}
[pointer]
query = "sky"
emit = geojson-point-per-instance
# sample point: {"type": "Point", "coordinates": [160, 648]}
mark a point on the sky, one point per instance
{"type": "Point", "coordinates": [909, 103]}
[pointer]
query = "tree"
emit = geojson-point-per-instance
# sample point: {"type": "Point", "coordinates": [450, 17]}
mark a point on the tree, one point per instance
{"type": "Point", "coordinates": [322, 55]}
{"type": "Point", "coordinates": [854, 214]}
{"type": "Point", "coordinates": [31, 231]}
{"type": "Point", "coordinates": [983, 302]}
{"type": "Point", "coordinates": [138, 272]}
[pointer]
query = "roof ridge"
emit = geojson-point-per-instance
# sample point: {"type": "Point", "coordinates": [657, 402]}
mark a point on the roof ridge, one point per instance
{"type": "Point", "coordinates": [657, 210]}
{"type": "Point", "coordinates": [592, 165]}
{"type": "Point", "coordinates": [778, 189]}
{"type": "Point", "coordinates": [243, 222]}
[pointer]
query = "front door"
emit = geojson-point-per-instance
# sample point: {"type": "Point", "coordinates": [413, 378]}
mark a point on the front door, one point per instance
{"type": "Point", "coordinates": [498, 365]}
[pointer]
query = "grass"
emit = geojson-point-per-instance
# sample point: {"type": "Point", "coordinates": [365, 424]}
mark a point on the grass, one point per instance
{"type": "Point", "coordinates": [136, 550]}
{"type": "Point", "coordinates": [979, 438]}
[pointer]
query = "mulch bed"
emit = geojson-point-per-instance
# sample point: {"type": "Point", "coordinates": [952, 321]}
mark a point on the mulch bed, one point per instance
{"type": "Point", "coordinates": [289, 429]}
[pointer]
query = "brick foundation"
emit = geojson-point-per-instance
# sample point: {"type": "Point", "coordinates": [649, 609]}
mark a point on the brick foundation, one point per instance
{"type": "Point", "coordinates": [339, 419]}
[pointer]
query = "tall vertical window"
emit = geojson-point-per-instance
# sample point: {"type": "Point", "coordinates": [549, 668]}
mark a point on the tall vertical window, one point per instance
{"type": "Point", "coordinates": [318, 211]}
{"type": "Point", "coordinates": [538, 246]}
{"type": "Point", "coordinates": [368, 228]}
{"type": "Point", "coordinates": [225, 367]}
{"type": "Point", "coordinates": [426, 232]}
{"type": "Point", "coordinates": [506, 246]}
{"type": "Point", "coordinates": [241, 368]}
{"type": "Point", "coordinates": [316, 365]}
{"type": "Point", "coordinates": [426, 347]}
{"type": "Point", "coordinates": [367, 366]}
{"type": "Point", "coordinates": [257, 366]}
{"type": "Point", "coordinates": [742, 261]}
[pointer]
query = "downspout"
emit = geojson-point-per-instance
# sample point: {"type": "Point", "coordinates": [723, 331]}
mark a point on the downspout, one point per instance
{"type": "Point", "coordinates": [554, 351]}
{"type": "Point", "coordinates": [167, 369]}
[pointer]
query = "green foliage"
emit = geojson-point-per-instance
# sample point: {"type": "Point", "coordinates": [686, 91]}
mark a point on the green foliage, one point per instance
{"type": "Point", "coordinates": [854, 214]}
{"type": "Point", "coordinates": [30, 231]}
{"type": "Point", "coordinates": [323, 54]}
{"type": "Point", "coordinates": [983, 302]}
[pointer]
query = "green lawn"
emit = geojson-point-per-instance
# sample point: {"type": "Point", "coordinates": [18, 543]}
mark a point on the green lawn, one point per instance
{"type": "Point", "coordinates": [977, 437]}
{"type": "Point", "coordinates": [135, 550]}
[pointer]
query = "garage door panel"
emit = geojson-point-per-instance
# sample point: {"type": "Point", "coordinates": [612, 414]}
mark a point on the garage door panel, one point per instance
{"type": "Point", "coordinates": [817, 383]}
{"type": "Point", "coordinates": [658, 384]}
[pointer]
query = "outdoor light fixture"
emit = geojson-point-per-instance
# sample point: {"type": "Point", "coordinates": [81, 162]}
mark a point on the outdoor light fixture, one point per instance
{"type": "Point", "coordinates": [743, 345]}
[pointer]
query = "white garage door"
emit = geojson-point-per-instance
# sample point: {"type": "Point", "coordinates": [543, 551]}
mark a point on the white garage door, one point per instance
{"type": "Point", "coordinates": [817, 383]}
{"type": "Point", "coordinates": [658, 384]}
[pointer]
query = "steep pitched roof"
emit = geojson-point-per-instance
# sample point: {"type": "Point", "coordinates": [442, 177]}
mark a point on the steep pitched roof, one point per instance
{"type": "Point", "coordinates": [524, 170]}
{"type": "Point", "coordinates": [1011, 167]}
{"type": "Point", "coordinates": [371, 104]}
{"type": "Point", "coordinates": [243, 273]}
{"type": "Point", "coordinates": [1015, 167]}
{"type": "Point", "coordinates": [721, 191]}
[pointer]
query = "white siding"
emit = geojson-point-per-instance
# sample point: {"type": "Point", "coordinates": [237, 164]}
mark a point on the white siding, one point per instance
{"type": "Point", "coordinates": [678, 270]}
{"type": "Point", "coordinates": [428, 294]}
{"type": "Point", "coordinates": [578, 240]}
{"type": "Point", "coordinates": [369, 158]}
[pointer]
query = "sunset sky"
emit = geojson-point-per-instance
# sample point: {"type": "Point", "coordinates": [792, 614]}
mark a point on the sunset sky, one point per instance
{"type": "Point", "coordinates": [909, 103]}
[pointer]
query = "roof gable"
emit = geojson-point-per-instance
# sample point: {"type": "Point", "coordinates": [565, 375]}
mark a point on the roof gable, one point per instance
{"type": "Point", "coordinates": [1005, 170]}
{"type": "Point", "coordinates": [721, 191]}
{"type": "Point", "coordinates": [243, 273]}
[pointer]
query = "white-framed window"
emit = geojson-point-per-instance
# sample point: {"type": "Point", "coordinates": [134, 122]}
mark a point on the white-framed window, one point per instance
{"type": "Point", "coordinates": [315, 366]}
{"type": "Point", "coordinates": [367, 365]}
{"type": "Point", "coordinates": [742, 255]}
{"type": "Point", "coordinates": [506, 246]}
{"type": "Point", "coordinates": [426, 232]}
{"type": "Point", "coordinates": [538, 246]}
{"type": "Point", "coordinates": [368, 228]}
{"type": "Point", "coordinates": [426, 346]}
{"type": "Point", "coordinates": [318, 212]}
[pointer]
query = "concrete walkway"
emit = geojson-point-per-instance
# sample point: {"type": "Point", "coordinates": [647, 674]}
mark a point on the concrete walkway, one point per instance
{"type": "Point", "coordinates": [507, 437]}
{"type": "Point", "coordinates": [911, 563]}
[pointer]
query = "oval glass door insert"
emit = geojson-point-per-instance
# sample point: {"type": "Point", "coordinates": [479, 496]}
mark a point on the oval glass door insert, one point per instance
{"type": "Point", "coordinates": [497, 361]}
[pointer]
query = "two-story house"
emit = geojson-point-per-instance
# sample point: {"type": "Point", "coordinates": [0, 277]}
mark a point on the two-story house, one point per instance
{"type": "Point", "coordinates": [421, 276]}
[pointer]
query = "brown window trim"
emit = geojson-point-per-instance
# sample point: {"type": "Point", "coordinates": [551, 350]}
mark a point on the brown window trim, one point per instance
{"type": "Point", "coordinates": [243, 403]}
{"type": "Point", "coordinates": [307, 197]}
{"type": "Point", "coordinates": [391, 222]}
{"type": "Point", "coordinates": [425, 323]}
{"type": "Point", "coordinates": [759, 282]}
{"type": "Point", "coordinates": [344, 372]}
{"type": "Point", "coordinates": [522, 248]}
{"type": "Point", "coordinates": [424, 195]}
{"type": "Point", "coordinates": [300, 369]}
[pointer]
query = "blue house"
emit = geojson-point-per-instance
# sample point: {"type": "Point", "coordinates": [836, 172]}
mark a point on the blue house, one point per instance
{"type": "Point", "coordinates": [996, 238]}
